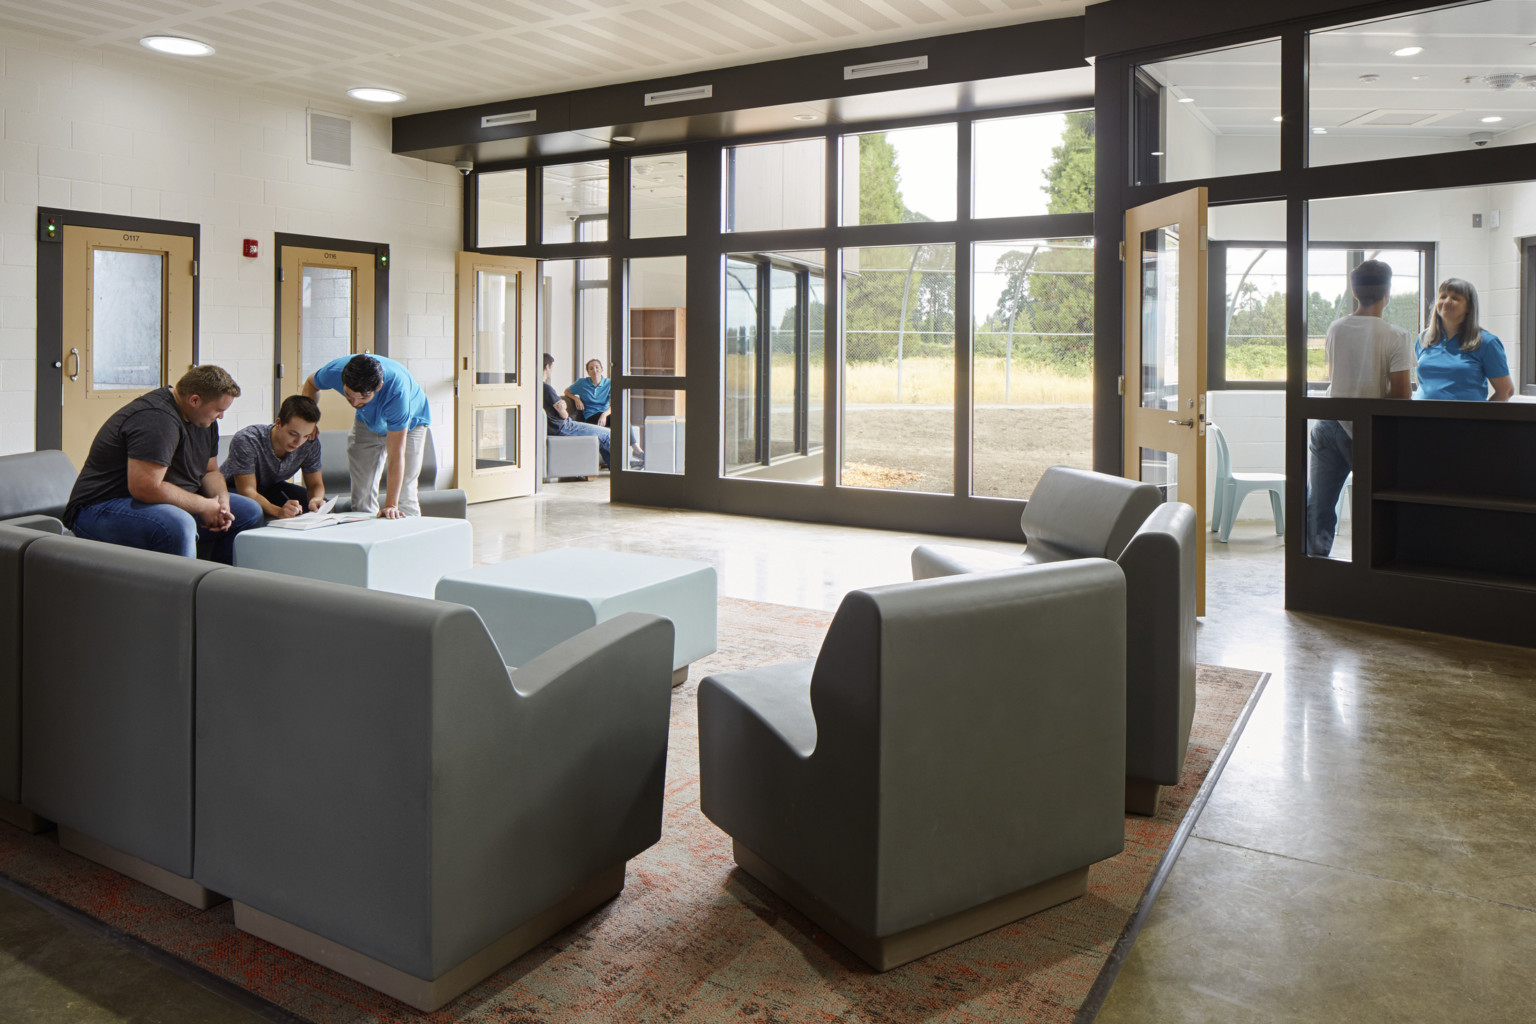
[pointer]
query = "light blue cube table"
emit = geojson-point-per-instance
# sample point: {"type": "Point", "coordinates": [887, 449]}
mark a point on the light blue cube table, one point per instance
{"type": "Point", "coordinates": [403, 556]}
{"type": "Point", "coordinates": [531, 604]}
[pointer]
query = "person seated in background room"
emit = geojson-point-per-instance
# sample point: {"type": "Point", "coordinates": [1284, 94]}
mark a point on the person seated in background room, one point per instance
{"type": "Point", "coordinates": [152, 480]}
{"type": "Point", "coordinates": [588, 396]}
{"type": "Point", "coordinates": [389, 433]}
{"type": "Point", "coordinates": [560, 420]}
{"type": "Point", "coordinates": [263, 458]}
{"type": "Point", "coordinates": [1458, 359]}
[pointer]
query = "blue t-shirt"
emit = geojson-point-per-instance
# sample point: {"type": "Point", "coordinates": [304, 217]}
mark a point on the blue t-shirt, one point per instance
{"type": "Point", "coordinates": [593, 396]}
{"type": "Point", "coordinates": [1446, 372]}
{"type": "Point", "coordinates": [399, 404]}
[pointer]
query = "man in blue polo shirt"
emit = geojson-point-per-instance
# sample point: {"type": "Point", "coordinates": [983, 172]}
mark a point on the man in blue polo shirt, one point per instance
{"type": "Point", "coordinates": [389, 433]}
{"type": "Point", "coordinates": [589, 395]}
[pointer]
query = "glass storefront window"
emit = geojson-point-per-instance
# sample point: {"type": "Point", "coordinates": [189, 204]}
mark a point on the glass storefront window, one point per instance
{"type": "Point", "coordinates": [658, 316]}
{"type": "Point", "coordinates": [502, 199]}
{"type": "Point", "coordinates": [1028, 166]}
{"type": "Point", "coordinates": [900, 176]}
{"type": "Point", "coordinates": [774, 186]}
{"type": "Point", "coordinates": [576, 202]}
{"type": "Point", "coordinates": [658, 195]}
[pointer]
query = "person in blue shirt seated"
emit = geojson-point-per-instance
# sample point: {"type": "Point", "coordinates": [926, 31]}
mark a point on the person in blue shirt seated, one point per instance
{"type": "Point", "coordinates": [1457, 358]}
{"type": "Point", "coordinates": [588, 395]}
{"type": "Point", "coordinates": [389, 432]}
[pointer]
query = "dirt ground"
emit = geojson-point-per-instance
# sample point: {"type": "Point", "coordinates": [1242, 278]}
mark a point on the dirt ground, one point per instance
{"type": "Point", "coordinates": [912, 448]}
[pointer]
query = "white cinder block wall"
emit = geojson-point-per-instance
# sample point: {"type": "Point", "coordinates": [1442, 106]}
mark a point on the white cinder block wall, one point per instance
{"type": "Point", "coordinates": [1253, 423]}
{"type": "Point", "coordinates": [148, 137]}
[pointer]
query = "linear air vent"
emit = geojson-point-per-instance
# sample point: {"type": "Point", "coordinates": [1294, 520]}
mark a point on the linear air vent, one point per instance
{"type": "Point", "coordinates": [498, 120]}
{"type": "Point", "coordinates": [885, 67]}
{"type": "Point", "coordinates": [330, 139]}
{"type": "Point", "coordinates": [1390, 117]}
{"type": "Point", "coordinates": [697, 92]}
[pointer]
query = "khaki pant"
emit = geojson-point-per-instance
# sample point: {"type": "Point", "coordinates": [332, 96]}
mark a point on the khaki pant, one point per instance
{"type": "Point", "coordinates": [366, 461]}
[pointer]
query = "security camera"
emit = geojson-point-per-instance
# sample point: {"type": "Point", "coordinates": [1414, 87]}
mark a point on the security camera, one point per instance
{"type": "Point", "coordinates": [464, 166]}
{"type": "Point", "coordinates": [1480, 138]}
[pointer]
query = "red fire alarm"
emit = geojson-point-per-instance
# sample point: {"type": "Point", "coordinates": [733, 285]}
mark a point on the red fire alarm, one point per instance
{"type": "Point", "coordinates": [250, 247]}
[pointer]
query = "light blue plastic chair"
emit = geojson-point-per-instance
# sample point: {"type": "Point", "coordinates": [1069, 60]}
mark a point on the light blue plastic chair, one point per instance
{"type": "Point", "coordinates": [1232, 488]}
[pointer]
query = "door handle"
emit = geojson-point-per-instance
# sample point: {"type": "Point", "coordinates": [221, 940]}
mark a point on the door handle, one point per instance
{"type": "Point", "coordinates": [74, 354]}
{"type": "Point", "coordinates": [1182, 423]}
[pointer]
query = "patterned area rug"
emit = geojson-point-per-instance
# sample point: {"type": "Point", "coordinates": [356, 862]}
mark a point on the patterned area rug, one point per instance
{"type": "Point", "coordinates": [691, 937]}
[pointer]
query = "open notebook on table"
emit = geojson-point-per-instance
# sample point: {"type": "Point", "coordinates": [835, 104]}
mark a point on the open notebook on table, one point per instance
{"type": "Point", "coordinates": [322, 516]}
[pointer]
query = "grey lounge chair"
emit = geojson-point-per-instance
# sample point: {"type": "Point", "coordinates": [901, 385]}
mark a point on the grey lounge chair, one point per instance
{"type": "Point", "coordinates": [35, 483]}
{"type": "Point", "coordinates": [107, 701]}
{"type": "Point", "coordinates": [376, 793]}
{"type": "Point", "coordinates": [953, 759]}
{"type": "Point", "coordinates": [15, 536]}
{"type": "Point", "coordinates": [1074, 514]}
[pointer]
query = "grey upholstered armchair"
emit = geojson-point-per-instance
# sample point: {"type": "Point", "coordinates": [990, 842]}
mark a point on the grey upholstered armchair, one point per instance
{"type": "Point", "coordinates": [1075, 514]}
{"type": "Point", "coordinates": [14, 541]}
{"type": "Point", "coordinates": [375, 792]}
{"type": "Point", "coordinates": [952, 760]}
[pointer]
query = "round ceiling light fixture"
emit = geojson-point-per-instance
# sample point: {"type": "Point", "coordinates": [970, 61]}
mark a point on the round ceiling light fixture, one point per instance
{"type": "Point", "coordinates": [1408, 51]}
{"type": "Point", "coordinates": [623, 138]}
{"type": "Point", "coordinates": [1186, 99]}
{"type": "Point", "coordinates": [1319, 131]}
{"type": "Point", "coordinates": [1278, 117]}
{"type": "Point", "coordinates": [807, 117]}
{"type": "Point", "coordinates": [177, 45]}
{"type": "Point", "coordinates": [1368, 77]}
{"type": "Point", "coordinates": [371, 94]}
{"type": "Point", "coordinates": [1492, 120]}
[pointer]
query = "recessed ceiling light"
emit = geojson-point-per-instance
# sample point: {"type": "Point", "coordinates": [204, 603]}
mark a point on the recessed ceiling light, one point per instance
{"type": "Point", "coordinates": [371, 95]}
{"type": "Point", "coordinates": [623, 138]}
{"type": "Point", "coordinates": [1418, 78]}
{"type": "Point", "coordinates": [1186, 99]}
{"type": "Point", "coordinates": [1408, 51]}
{"type": "Point", "coordinates": [806, 117]}
{"type": "Point", "coordinates": [1278, 117]}
{"type": "Point", "coordinates": [1319, 131]}
{"type": "Point", "coordinates": [177, 45]}
{"type": "Point", "coordinates": [1157, 152]}
{"type": "Point", "coordinates": [1368, 77]}
{"type": "Point", "coordinates": [1492, 120]}
{"type": "Point", "coordinates": [666, 163]}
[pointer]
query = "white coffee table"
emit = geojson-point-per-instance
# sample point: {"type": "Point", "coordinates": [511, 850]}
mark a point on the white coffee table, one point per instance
{"type": "Point", "coordinates": [531, 604]}
{"type": "Point", "coordinates": [403, 556]}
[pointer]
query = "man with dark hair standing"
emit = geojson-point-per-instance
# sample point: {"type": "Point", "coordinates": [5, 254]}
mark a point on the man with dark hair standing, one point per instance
{"type": "Point", "coordinates": [152, 477]}
{"type": "Point", "coordinates": [389, 434]}
{"type": "Point", "coordinates": [263, 458]}
{"type": "Point", "coordinates": [1367, 358]}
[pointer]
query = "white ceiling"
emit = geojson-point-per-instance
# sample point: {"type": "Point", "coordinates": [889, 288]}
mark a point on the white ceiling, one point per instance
{"type": "Point", "coordinates": [1237, 91]}
{"type": "Point", "coordinates": [449, 53]}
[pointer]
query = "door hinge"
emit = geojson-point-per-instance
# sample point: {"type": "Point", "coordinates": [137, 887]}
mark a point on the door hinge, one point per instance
{"type": "Point", "coordinates": [1122, 252]}
{"type": "Point", "coordinates": [194, 268]}
{"type": "Point", "coordinates": [1120, 385]}
{"type": "Point", "coordinates": [281, 275]}
{"type": "Point", "coordinates": [1205, 238]}
{"type": "Point", "coordinates": [279, 371]}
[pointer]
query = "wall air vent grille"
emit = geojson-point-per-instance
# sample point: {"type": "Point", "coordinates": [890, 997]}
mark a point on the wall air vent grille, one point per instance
{"type": "Point", "coordinates": [498, 120]}
{"type": "Point", "coordinates": [330, 139]}
{"type": "Point", "coordinates": [697, 92]}
{"type": "Point", "coordinates": [885, 67]}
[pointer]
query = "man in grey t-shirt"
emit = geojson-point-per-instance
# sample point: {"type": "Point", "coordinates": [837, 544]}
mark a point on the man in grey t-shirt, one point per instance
{"type": "Point", "coordinates": [1367, 358]}
{"type": "Point", "coordinates": [263, 458]}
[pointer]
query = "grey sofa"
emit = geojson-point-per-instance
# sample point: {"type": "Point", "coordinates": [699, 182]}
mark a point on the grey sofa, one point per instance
{"type": "Point", "coordinates": [1074, 513]}
{"type": "Point", "coordinates": [952, 760]}
{"type": "Point", "coordinates": [444, 504]}
{"type": "Point", "coordinates": [35, 484]}
{"type": "Point", "coordinates": [14, 540]}
{"type": "Point", "coordinates": [389, 804]}
{"type": "Point", "coordinates": [107, 700]}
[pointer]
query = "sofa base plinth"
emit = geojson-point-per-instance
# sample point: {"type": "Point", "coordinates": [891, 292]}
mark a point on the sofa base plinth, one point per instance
{"type": "Point", "coordinates": [1142, 796]}
{"type": "Point", "coordinates": [884, 953]}
{"type": "Point", "coordinates": [168, 882]}
{"type": "Point", "coordinates": [421, 993]}
{"type": "Point", "coordinates": [15, 814]}
{"type": "Point", "coordinates": [679, 676]}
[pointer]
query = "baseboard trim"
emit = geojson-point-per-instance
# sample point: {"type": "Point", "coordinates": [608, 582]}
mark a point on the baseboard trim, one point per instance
{"type": "Point", "coordinates": [420, 993]}
{"type": "Point", "coordinates": [884, 953]}
{"type": "Point", "coordinates": [15, 814]}
{"type": "Point", "coordinates": [168, 882]}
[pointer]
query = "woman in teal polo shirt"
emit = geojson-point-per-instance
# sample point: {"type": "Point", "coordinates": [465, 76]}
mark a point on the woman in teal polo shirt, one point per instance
{"type": "Point", "coordinates": [1458, 360]}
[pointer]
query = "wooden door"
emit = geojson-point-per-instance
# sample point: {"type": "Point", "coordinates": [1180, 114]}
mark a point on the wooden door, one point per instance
{"type": "Point", "coordinates": [127, 323]}
{"type": "Point", "coordinates": [1164, 383]}
{"type": "Point", "coordinates": [497, 389]}
{"type": "Point", "coordinates": [327, 312]}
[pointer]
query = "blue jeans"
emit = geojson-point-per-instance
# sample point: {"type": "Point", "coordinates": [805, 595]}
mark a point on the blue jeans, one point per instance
{"type": "Point", "coordinates": [570, 427]}
{"type": "Point", "coordinates": [1332, 460]}
{"type": "Point", "coordinates": [136, 524]}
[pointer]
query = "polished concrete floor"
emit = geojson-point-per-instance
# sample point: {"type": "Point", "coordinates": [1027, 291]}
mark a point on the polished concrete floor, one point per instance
{"type": "Point", "coordinates": [1365, 857]}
